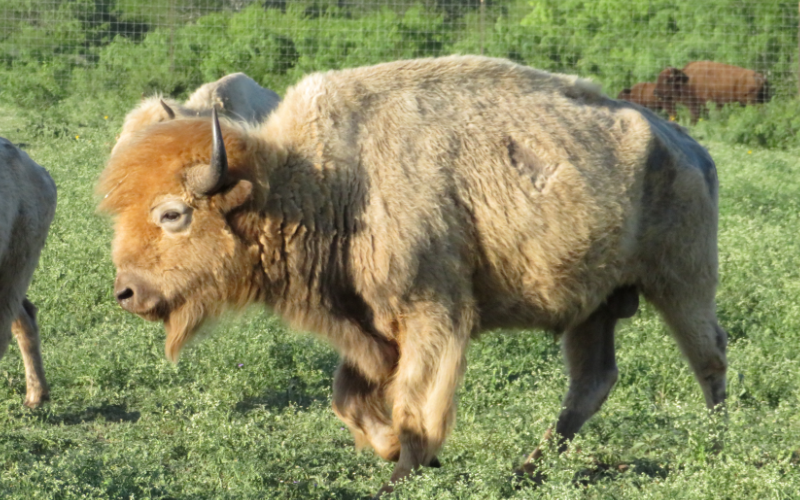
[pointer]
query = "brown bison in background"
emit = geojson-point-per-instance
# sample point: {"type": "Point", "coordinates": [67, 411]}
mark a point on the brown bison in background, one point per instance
{"type": "Point", "coordinates": [643, 94]}
{"type": "Point", "coordinates": [27, 206]}
{"type": "Point", "coordinates": [399, 210]}
{"type": "Point", "coordinates": [702, 81]}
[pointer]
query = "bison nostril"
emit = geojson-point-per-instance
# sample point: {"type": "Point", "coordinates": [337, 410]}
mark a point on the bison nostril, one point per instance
{"type": "Point", "coordinates": [136, 295]}
{"type": "Point", "coordinates": [125, 294]}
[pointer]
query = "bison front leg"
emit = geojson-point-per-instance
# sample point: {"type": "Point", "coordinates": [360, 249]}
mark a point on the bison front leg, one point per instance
{"type": "Point", "coordinates": [363, 407]}
{"type": "Point", "coordinates": [432, 362]}
{"type": "Point", "coordinates": [590, 357]}
{"type": "Point", "coordinates": [27, 333]}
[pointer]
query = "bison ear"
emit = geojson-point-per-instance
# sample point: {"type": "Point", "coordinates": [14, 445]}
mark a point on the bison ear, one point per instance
{"type": "Point", "coordinates": [170, 113]}
{"type": "Point", "coordinates": [236, 196]}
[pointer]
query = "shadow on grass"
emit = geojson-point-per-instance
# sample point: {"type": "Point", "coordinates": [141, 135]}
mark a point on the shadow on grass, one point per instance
{"type": "Point", "coordinates": [610, 472]}
{"type": "Point", "coordinates": [111, 413]}
{"type": "Point", "coordinates": [295, 395]}
{"type": "Point", "coordinates": [600, 472]}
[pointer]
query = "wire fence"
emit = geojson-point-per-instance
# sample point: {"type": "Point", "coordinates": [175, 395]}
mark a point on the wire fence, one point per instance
{"type": "Point", "coordinates": [52, 49]}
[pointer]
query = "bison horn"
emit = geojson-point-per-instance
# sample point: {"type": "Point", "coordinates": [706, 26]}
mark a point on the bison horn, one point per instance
{"type": "Point", "coordinates": [206, 181]}
{"type": "Point", "coordinates": [169, 111]}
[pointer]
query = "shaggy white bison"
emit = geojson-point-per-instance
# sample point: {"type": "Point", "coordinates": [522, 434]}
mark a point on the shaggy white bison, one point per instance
{"type": "Point", "coordinates": [702, 81]}
{"type": "Point", "coordinates": [237, 95]}
{"type": "Point", "coordinates": [399, 210]}
{"type": "Point", "coordinates": [27, 206]}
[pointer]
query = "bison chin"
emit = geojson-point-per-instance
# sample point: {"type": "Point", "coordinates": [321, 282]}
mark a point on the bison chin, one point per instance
{"type": "Point", "coordinates": [182, 325]}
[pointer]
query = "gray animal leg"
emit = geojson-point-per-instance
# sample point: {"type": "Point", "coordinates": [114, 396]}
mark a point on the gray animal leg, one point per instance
{"type": "Point", "coordinates": [590, 358]}
{"type": "Point", "coordinates": [27, 333]}
{"type": "Point", "coordinates": [693, 323]}
{"type": "Point", "coordinates": [589, 354]}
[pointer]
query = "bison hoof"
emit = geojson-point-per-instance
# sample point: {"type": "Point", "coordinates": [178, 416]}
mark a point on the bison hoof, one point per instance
{"type": "Point", "coordinates": [36, 401]}
{"type": "Point", "coordinates": [528, 474]}
{"type": "Point", "coordinates": [435, 463]}
{"type": "Point", "coordinates": [385, 490]}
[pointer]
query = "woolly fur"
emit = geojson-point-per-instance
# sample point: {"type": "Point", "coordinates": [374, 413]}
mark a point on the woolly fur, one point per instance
{"type": "Point", "coordinates": [398, 210]}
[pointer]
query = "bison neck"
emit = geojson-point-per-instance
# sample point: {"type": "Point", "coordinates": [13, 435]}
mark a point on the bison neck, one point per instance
{"type": "Point", "coordinates": [310, 220]}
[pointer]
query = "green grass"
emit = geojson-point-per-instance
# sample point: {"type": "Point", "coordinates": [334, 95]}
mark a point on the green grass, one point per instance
{"type": "Point", "coordinates": [246, 413]}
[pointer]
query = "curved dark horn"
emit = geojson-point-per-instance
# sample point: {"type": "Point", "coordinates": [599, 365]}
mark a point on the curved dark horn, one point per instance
{"type": "Point", "coordinates": [219, 158]}
{"type": "Point", "coordinates": [209, 180]}
{"type": "Point", "coordinates": [167, 109]}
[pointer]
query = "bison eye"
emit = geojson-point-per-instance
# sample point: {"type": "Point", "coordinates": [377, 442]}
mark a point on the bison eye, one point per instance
{"type": "Point", "coordinates": [170, 216]}
{"type": "Point", "coordinates": [173, 216]}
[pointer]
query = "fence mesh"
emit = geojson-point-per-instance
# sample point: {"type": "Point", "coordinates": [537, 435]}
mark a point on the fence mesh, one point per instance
{"type": "Point", "coordinates": [51, 49]}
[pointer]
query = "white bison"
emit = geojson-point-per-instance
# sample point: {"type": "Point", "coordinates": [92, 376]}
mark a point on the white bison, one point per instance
{"type": "Point", "coordinates": [27, 206]}
{"type": "Point", "coordinates": [399, 210]}
{"type": "Point", "coordinates": [236, 95]}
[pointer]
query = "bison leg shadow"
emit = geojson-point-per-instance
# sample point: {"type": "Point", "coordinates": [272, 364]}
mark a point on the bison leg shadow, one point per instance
{"type": "Point", "coordinates": [296, 394]}
{"type": "Point", "coordinates": [109, 412]}
{"type": "Point", "coordinates": [608, 472]}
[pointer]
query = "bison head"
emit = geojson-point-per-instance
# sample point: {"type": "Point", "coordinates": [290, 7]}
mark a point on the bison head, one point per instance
{"type": "Point", "coordinates": [670, 84]}
{"type": "Point", "coordinates": [178, 197]}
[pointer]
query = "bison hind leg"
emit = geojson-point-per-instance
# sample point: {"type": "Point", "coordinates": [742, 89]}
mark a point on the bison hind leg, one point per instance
{"type": "Point", "coordinates": [691, 317]}
{"type": "Point", "coordinates": [590, 357]}
{"type": "Point", "coordinates": [27, 333]}
{"type": "Point", "coordinates": [591, 361]}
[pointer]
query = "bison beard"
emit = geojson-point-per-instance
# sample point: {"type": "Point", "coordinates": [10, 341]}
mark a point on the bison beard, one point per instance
{"type": "Point", "coordinates": [189, 314]}
{"type": "Point", "coordinates": [181, 326]}
{"type": "Point", "coordinates": [402, 209]}
{"type": "Point", "coordinates": [185, 319]}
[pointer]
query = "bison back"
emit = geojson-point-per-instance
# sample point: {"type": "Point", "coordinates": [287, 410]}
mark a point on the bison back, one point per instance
{"type": "Point", "coordinates": [533, 184]}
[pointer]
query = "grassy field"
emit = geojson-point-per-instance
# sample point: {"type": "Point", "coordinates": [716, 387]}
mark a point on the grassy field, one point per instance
{"type": "Point", "coordinates": [246, 413]}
